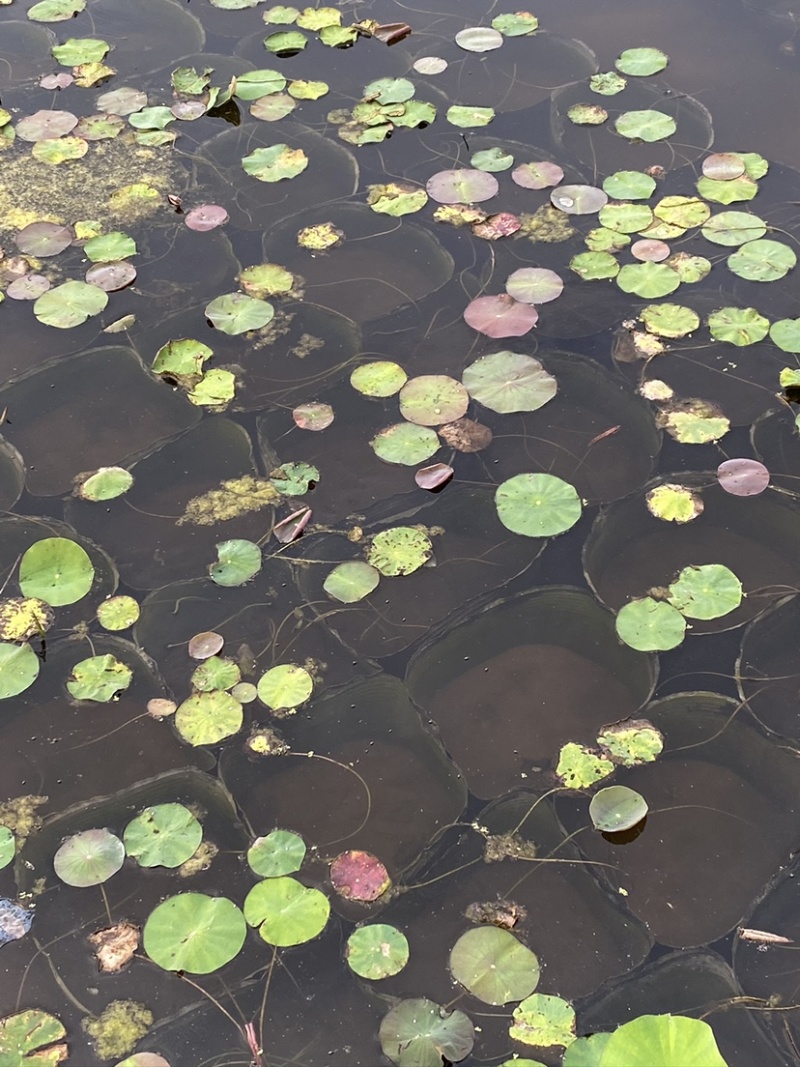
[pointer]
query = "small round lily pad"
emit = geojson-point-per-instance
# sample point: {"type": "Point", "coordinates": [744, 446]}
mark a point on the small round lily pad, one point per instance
{"type": "Point", "coordinates": [285, 686]}
{"type": "Point", "coordinates": [376, 951]}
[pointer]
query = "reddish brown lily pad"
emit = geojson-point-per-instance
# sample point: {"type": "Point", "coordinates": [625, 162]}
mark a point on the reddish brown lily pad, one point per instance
{"type": "Point", "coordinates": [358, 875]}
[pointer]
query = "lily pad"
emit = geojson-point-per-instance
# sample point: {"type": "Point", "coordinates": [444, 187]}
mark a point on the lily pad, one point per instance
{"type": "Point", "coordinates": [648, 125]}
{"type": "Point", "coordinates": [206, 217]}
{"type": "Point", "coordinates": [743, 477]}
{"type": "Point", "coordinates": [500, 316]}
{"type": "Point", "coordinates": [494, 966]}
{"type": "Point", "coordinates": [616, 808]}
{"type": "Point", "coordinates": [358, 875]}
{"type": "Point", "coordinates": [632, 742]}
{"type": "Point", "coordinates": [737, 191]}
{"type": "Point", "coordinates": [107, 483]}
{"type": "Point", "coordinates": [110, 247]}
{"type": "Point", "coordinates": [534, 285]}
{"type": "Point", "coordinates": [254, 84]}
{"type": "Point", "coordinates": [286, 912]}
{"type": "Point", "coordinates": [275, 163]}
{"type": "Point", "coordinates": [762, 261]}
{"type": "Point", "coordinates": [44, 239]}
{"type": "Point", "coordinates": [670, 320]}
{"type": "Point", "coordinates": [418, 1033]}
{"type": "Point", "coordinates": [543, 1021]}
{"type": "Point", "coordinates": [405, 443]}
{"type": "Point", "coordinates": [236, 313]}
{"type": "Point", "coordinates": [738, 326]}
{"type": "Point", "coordinates": [56, 570]}
{"type": "Point", "coordinates": [492, 160]}
{"type": "Point", "coordinates": [285, 686]}
{"type": "Point", "coordinates": [706, 592]}
{"type": "Point", "coordinates": [433, 399]}
{"type": "Point", "coordinates": [662, 1041]}
{"type": "Point", "coordinates": [587, 114]}
{"type": "Point", "coordinates": [29, 1037]}
{"type": "Point", "coordinates": [24, 617]}
{"type": "Point", "coordinates": [578, 199]}
{"type": "Point", "coordinates": [89, 858]}
{"type": "Point", "coordinates": [46, 125]}
{"type": "Point", "coordinates": [396, 198]}
{"type": "Point", "coordinates": [194, 932]}
{"type": "Point", "coordinates": [117, 613]}
{"type": "Point", "coordinates": [295, 479]}
{"type": "Point", "coordinates": [650, 625]}
{"type": "Point", "coordinates": [734, 228]}
{"type": "Point", "coordinates": [579, 767]}
{"type": "Point", "coordinates": [351, 581]}
{"type": "Point", "coordinates": [629, 185]}
{"type": "Point", "coordinates": [648, 280]}
{"type": "Point", "coordinates": [381, 378]}
{"type": "Point", "coordinates": [626, 218]}
{"type": "Point", "coordinates": [99, 678]}
{"type": "Point", "coordinates": [313, 416]}
{"type": "Point", "coordinates": [280, 852]}
{"type": "Point", "coordinates": [376, 951]}
{"type": "Point", "coordinates": [595, 266]}
{"type": "Point", "coordinates": [542, 175]}
{"type": "Point", "coordinates": [468, 118]}
{"type": "Point", "coordinates": [641, 62]}
{"type": "Point", "coordinates": [69, 304]}
{"type": "Point", "coordinates": [216, 673]}
{"type": "Point", "coordinates": [285, 42]}
{"type": "Point", "coordinates": [463, 186]}
{"type": "Point", "coordinates": [785, 333]}
{"type": "Point", "coordinates": [399, 550]}
{"type": "Point", "coordinates": [479, 39]}
{"type": "Point", "coordinates": [165, 835]}
{"type": "Point", "coordinates": [19, 669]}
{"type": "Point", "coordinates": [508, 381]}
{"type": "Point", "coordinates": [237, 562]}
{"type": "Point", "coordinates": [537, 505]}
{"type": "Point", "coordinates": [208, 718]}
{"type": "Point", "coordinates": [608, 83]}
{"type": "Point", "coordinates": [674, 503]}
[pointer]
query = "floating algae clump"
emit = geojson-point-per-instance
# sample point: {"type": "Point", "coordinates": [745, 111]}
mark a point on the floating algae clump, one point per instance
{"type": "Point", "coordinates": [122, 181]}
{"type": "Point", "coordinates": [235, 497]}
{"type": "Point", "coordinates": [118, 1028]}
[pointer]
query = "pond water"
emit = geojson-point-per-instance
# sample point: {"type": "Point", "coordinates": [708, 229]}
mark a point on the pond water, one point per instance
{"type": "Point", "coordinates": [398, 553]}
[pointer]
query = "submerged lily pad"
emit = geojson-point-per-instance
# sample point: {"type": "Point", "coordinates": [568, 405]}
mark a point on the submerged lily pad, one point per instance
{"type": "Point", "coordinates": [89, 858]}
{"type": "Point", "coordinates": [537, 505]}
{"type": "Point", "coordinates": [194, 932]}
{"type": "Point", "coordinates": [616, 808]}
{"type": "Point", "coordinates": [286, 912]}
{"type": "Point", "coordinates": [399, 550]}
{"type": "Point", "coordinates": [494, 966]}
{"type": "Point", "coordinates": [419, 1032]}
{"type": "Point", "coordinates": [508, 382]}
{"type": "Point", "coordinates": [650, 625]}
{"type": "Point", "coordinates": [706, 592]}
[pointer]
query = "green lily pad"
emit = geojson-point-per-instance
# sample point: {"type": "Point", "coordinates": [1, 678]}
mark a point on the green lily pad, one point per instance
{"type": "Point", "coordinates": [669, 320]}
{"type": "Point", "coordinates": [650, 625]}
{"type": "Point", "coordinates": [275, 163]}
{"type": "Point", "coordinates": [648, 280]}
{"type": "Point", "coordinates": [418, 1033]}
{"type": "Point", "coordinates": [236, 313]}
{"type": "Point", "coordinates": [492, 160]}
{"type": "Point", "coordinates": [537, 505]}
{"type": "Point", "coordinates": [608, 83]}
{"type": "Point", "coordinates": [405, 443]}
{"type": "Point", "coordinates": [544, 1021]}
{"type": "Point", "coordinates": [280, 852]}
{"type": "Point", "coordinates": [165, 835]}
{"type": "Point", "coordinates": [69, 304]}
{"type": "Point", "coordinates": [662, 1041]}
{"type": "Point", "coordinates": [508, 381]}
{"type": "Point", "coordinates": [695, 422]}
{"type": "Point", "coordinates": [616, 808]}
{"type": "Point", "coordinates": [433, 400]}
{"type": "Point", "coordinates": [99, 678]}
{"type": "Point", "coordinates": [625, 218]}
{"type": "Point", "coordinates": [317, 18]}
{"type": "Point", "coordinates": [467, 118]}
{"type": "Point", "coordinates": [272, 108]}
{"type": "Point", "coordinates": [389, 90]}
{"type": "Point", "coordinates": [182, 359]}
{"type": "Point", "coordinates": [396, 198]}
{"type": "Point", "coordinates": [237, 562]}
{"type": "Point", "coordinates": [24, 617]}
{"type": "Point", "coordinates": [55, 10]}
{"type": "Point", "coordinates": [8, 846]}
{"type": "Point", "coordinates": [351, 581]}
{"type": "Point", "coordinates": [629, 185]}
{"type": "Point", "coordinates": [762, 261]}
{"type": "Point", "coordinates": [594, 266]}
{"type": "Point", "coordinates": [254, 84]}
{"type": "Point", "coordinates": [631, 743]}
{"type": "Point", "coordinates": [602, 240]}
{"type": "Point", "coordinates": [215, 389]}
{"type": "Point", "coordinates": [89, 858]}
{"type": "Point", "coordinates": [706, 592]}
{"type": "Point", "coordinates": [286, 912]}
{"type": "Point", "coordinates": [738, 326]}
{"type": "Point", "coordinates": [285, 686]}
{"type": "Point", "coordinates": [641, 62]}
{"type": "Point", "coordinates": [734, 228]}
{"type": "Point", "coordinates": [57, 571]}
{"type": "Point", "coordinates": [28, 1038]}
{"type": "Point", "coordinates": [307, 90]}
{"type": "Point", "coordinates": [727, 192]}
{"type": "Point", "coordinates": [690, 269]}
{"type": "Point", "coordinates": [106, 483]}
{"type": "Point", "coordinates": [110, 247]}
{"type": "Point", "coordinates": [674, 503]}
{"type": "Point", "coordinates": [118, 613]}
{"type": "Point", "coordinates": [381, 378]}
{"type": "Point", "coordinates": [78, 50]}
{"type": "Point", "coordinates": [785, 333]}
{"type": "Point", "coordinates": [579, 768]}
{"type": "Point", "coordinates": [281, 15]}
{"type": "Point", "coordinates": [295, 479]}
{"type": "Point", "coordinates": [195, 933]}
{"type": "Point", "coordinates": [190, 81]}
{"type": "Point", "coordinates": [646, 125]}
{"type": "Point", "coordinates": [494, 966]}
{"type": "Point", "coordinates": [587, 115]}
{"type": "Point", "coordinates": [376, 951]}
{"type": "Point", "coordinates": [285, 42]}
{"type": "Point", "coordinates": [151, 118]}
{"type": "Point", "coordinates": [19, 668]}
{"type": "Point", "coordinates": [208, 718]}
{"type": "Point", "coordinates": [399, 550]}
{"type": "Point", "coordinates": [215, 673]}
{"type": "Point", "coordinates": [520, 24]}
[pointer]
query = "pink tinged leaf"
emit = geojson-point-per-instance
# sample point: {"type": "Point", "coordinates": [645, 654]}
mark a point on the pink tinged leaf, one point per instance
{"type": "Point", "coordinates": [358, 875]}
{"type": "Point", "coordinates": [29, 287]}
{"type": "Point", "coordinates": [462, 186]}
{"type": "Point", "coordinates": [56, 81]}
{"type": "Point", "coordinates": [314, 416]}
{"type": "Point", "coordinates": [111, 277]}
{"type": "Point", "coordinates": [433, 477]}
{"type": "Point", "coordinates": [723, 166]}
{"type": "Point", "coordinates": [206, 644]}
{"type": "Point", "coordinates": [578, 199]}
{"type": "Point", "coordinates": [206, 217]}
{"type": "Point", "coordinates": [537, 175]}
{"type": "Point", "coordinates": [500, 316]}
{"type": "Point", "coordinates": [44, 125]}
{"type": "Point", "coordinates": [534, 285]}
{"type": "Point", "coordinates": [188, 110]}
{"type": "Point", "coordinates": [290, 528]}
{"type": "Point", "coordinates": [649, 251]}
{"type": "Point", "coordinates": [391, 32]}
{"type": "Point", "coordinates": [743, 477]}
{"type": "Point", "coordinates": [503, 224]}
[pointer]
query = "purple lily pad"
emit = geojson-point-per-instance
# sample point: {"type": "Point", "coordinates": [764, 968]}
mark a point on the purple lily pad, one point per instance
{"type": "Point", "coordinates": [537, 175]}
{"type": "Point", "coordinates": [503, 224]}
{"type": "Point", "coordinates": [29, 287]}
{"type": "Point", "coordinates": [56, 81]}
{"type": "Point", "coordinates": [123, 101]}
{"type": "Point", "coordinates": [44, 239]}
{"type": "Point", "coordinates": [578, 199]}
{"type": "Point", "coordinates": [534, 285]}
{"type": "Point", "coordinates": [500, 316]}
{"type": "Point", "coordinates": [434, 476]}
{"type": "Point", "coordinates": [723, 166]}
{"type": "Point", "coordinates": [290, 528]}
{"type": "Point", "coordinates": [464, 186]}
{"type": "Point", "coordinates": [650, 251]}
{"type": "Point", "coordinates": [743, 477]}
{"type": "Point", "coordinates": [111, 276]}
{"type": "Point", "coordinates": [45, 125]}
{"type": "Point", "coordinates": [206, 217]}
{"type": "Point", "coordinates": [358, 875]}
{"type": "Point", "coordinates": [313, 416]}
{"type": "Point", "coordinates": [205, 645]}
{"type": "Point", "coordinates": [188, 110]}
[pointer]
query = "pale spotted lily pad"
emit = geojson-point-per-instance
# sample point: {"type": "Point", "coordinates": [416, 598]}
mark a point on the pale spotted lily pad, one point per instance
{"type": "Point", "coordinates": [578, 199]}
{"type": "Point", "coordinates": [89, 858]}
{"type": "Point", "coordinates": [400, 550]}
{"type": "Point", "coordinates": [534, 285]}
{"type": "Point", "coordinates": [537, 175]}
{"type": "Point", "coordinates": [464, 186]}
{"type": "Point", "coordinates": [508, 382]}
{"type": "Point", "coordinates": [376, 951]}
{"type": "Point", "coordinates": [433, 399]}
{"type": "Point", "coordinates": [743, 477]}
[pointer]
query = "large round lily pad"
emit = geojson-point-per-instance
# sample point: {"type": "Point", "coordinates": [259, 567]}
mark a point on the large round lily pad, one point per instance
{"type": "Point", "coordinates": [537, 505]}
{"type": "Point", "coordinates": [89, 858]}
{"type": "Point", "coordinates": [286, 912]}
{"type": "Point", "coordinates": [494, 966]}
{"type": "Point", "coordinates": [165, 835]}
{"type": "Point", "coordinates": [508, 381]}
{"type": "Point", "coordinates": [194, 932]}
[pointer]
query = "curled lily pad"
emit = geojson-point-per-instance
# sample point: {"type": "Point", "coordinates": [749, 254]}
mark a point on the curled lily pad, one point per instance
{"type": "Point", "coordinates": [194, 932]}
{"type": "Point", "coordinates": [494, 966]}
{"type": "Point", "coordinates": [743, 477]}
{"type": "Point", "coordinates": [208, 718]}
{"type": "Point", "coordinates": [434, 476]}
{"type": "Point", "coordinates": [648, 125]}
{"type": "Point", "coordinates": [285, 686]}
{"type": "Point", "coordinates": [417, 1031]}
{"type": "Point", "coordinates": [89, 858]}
{"type": "Point", "coordinates": [508, 382]}
{"type": "Point", "coordinates": [286, 912]}
{"type": "Point", "coordinates": [117, 613]}
{"type": "Point", "coordinates": [650, 625]}
{"type": "Point", "coordinates": [738, 326]}
{"type": "Point", "coordinates": [56, 570]}
{"type": "Point", "coordinates": [433, 399]}
{"type": "Point", "coordinates": [405, 443]}
{"type": "Point", "coordinates": [399, 550]}
{"type": "Point", "coordinates": [534, 285]}
{"type": "Point", "coordinates": [43, 239]}
{"type": "Point", "coordinates": [19, 668]}
{"type": "Point", "coordinates": [99, 678]}
{"type": "Point", "coordinates": [165, 835]}
{"type": "Point", "coordinates": [578, 199]}
{"type": "Point", "coordinates": [351, 581]}
{"type": "Point", "coordinates": [706, 592]}
{"type": "Point", "coordinates": [376, 951]}
{"type": "Point", "coordinates": [464, 186]}
{"type": "Point", "coordinates": [500, 316]}
{"type": "Point", "coordinates": [236, 313]}
{"type": "Point", "coordinates": [616, 808]}
{"type": "Point", "coordinates": [537, 175]}
{"type": "Point", "coordinates": [762, 261]}
{"type": "Point", "coordinates": [537, 505]}
{"type": "Point", "coordinates": [280, 852]}
{"type": "Point", "coordinates": [69, 304]}
{"type": "Point", "coordinates": [381, 378]}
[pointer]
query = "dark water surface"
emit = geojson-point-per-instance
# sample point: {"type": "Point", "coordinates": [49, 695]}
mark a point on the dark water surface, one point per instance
{"type": "Point", "coordinates": [441, 700]}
